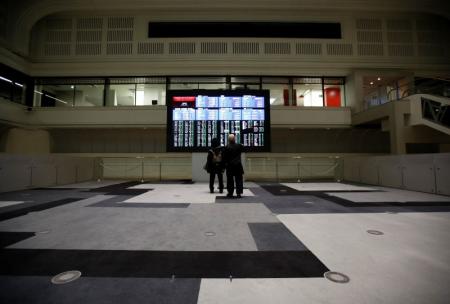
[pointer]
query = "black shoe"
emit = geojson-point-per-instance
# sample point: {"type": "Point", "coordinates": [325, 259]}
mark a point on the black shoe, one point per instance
{"type": "Point", "coordinates": [230, 195]}
{"type": "Point", "coordinates": [238, 196]}
{"type": "Point", "coordinates": [221, 191]}
{"type": "Point", "coordinates": [211, 191]}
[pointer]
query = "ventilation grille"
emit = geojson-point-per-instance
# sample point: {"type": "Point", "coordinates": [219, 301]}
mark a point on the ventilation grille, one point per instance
{"type": "Point", "coordinates": [370, 37]}
{"type": "Point", "coordinates": [401, 50]}
{"type": "Point", "coordinates": [181, 48]}
{"type": "Point", "coordinates": [398, 25]}
{"type": "Point", "coordinates": [431, 37]}
{"type": "Point", "coordinates": [213, 47]}
{"type": "Point", "coordinates": [277, 48]}
{"type": "Point", "coordinates": [245, 48]}
{"type": "Point", "coordinates": [119, 48]}
{"type": "Point", "coordinates": [89, 23]}
{"type": "Point", "coordinates": [89, 36]}
{"type": "Point", "coordinates": [120, 22]}
{"type": "Point", "coordinates": [57, 50]}
{"type": "Point", "coordinates": [368, 24]}
{"type": "Point", "coordinates": [86, 49]}
{"type": "Point", "coordinates": [58, 24]}
{"type": "Point", "coordinates": [370, 49]}
{"type": "Point", "coordinates": [308, 48]}
{"type": "Point", "coordinates": [431, 50]}
{"type": "Point", "coordinates": [400, 37]}
{"type": "Point", "coordinates": [58, 37]}
{"type": "Point", "coordinates": [150, 48]}
{"type": "Point", "coordinates": [120, 35]}
{"type": "Point", "coordinates": [340, 49]}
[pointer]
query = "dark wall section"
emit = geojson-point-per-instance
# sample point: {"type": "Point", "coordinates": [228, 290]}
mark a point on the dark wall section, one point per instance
{"type": "Point", "coordinates": [108, 140]}
{"type": "Point", "coordinates": [330, 141]}
{"type": "Point", "coordinates": [283, 141]}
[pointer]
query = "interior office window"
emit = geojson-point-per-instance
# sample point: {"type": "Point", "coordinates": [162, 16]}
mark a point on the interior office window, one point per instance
{"type": "Point", "coordinates": [308, 92]}
{"type": "Point", "coordinates": [12, 90]}
{"type": "Point", "coordinates": [6, 88]}
{"type": "Point", "coordinates": [183, 86]}
{"type": "Point", "coordinates": [280, 90]}
{"type": "Point", "coordinates": [251, 83]}
{"type": "Point", "coordinates": [18, 93]}
{"type": "Point", "coordinates": [212, 86]}
{"type": "Point", "coordinates": [56, 95]}
{"type": "Point", "coordinates": [150, 94]}
{"type": "Point", "coordinates": [121, 95]}
{"type": "Point", "coordinates": [89, 95]}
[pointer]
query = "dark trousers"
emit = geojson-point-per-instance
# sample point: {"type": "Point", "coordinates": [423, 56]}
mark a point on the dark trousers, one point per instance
{"type": "Point", "coordinates": [212, 177]}
{"type": "Point", "coordinates": [231, 179]}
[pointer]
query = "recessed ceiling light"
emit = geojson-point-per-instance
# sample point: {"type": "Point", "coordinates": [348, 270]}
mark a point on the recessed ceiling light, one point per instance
{"type": "Point", "coordinates": [371, 83]}
{"type": "Point", "coordinates": [379, 78]}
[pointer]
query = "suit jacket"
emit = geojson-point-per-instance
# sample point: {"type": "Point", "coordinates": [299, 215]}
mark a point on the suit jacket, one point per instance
{"type": "Point", "coordinates": [232, 158]}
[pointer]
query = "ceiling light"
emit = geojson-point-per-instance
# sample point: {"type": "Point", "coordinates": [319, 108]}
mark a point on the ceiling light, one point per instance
{"type": "Point", "coordinates": [371, 83]}
{"type": "Point", "coordinates": [5, 79]}
{"type": "Point", "coordinates": [379, 78]}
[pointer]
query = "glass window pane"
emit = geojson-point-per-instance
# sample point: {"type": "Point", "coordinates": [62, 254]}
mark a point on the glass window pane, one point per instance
{"type": "Point", "coordinates": [279, 93]}
{"type": "Point", "coordinates": [5, 88]}
{"type": "Point", "coordinates": [150, 94]}
{"type": "Point", "coordinates": [245, 79]}
{"type": "Point", "coordinates": [197, 79]}
{"type": "Point", "coordinates": [275, 80]}
{"type": "Point", "coordinates": [184, 86]}
{"type": "Point", "coordinates": [245, 86]}
{"type": "Point", "coordinates": [212, 86]}
{"type": "Point", "coordinates": [334, 80]}
{"type": "Point", "coordinates": [309, 80]}
{"type": "Point", "coordinates": [89, 95]}
{"type": "Point", "coordinates": [57, 95]}
{"type": "Point", "coordinates": [19, 93]}
{"type": "Point", "coordinates": [308, 95]}
{"type": "Point", "coordinates": [121, 95]}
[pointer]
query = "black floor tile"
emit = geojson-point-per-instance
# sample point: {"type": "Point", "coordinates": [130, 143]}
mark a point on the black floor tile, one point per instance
{"type": "Point", "coordinates": [162, 264]}
{"type": "Point", "coordinates": [8, 238]}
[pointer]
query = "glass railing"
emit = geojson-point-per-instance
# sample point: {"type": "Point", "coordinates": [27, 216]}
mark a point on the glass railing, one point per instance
{"type": "Point", "coordinates": [278, 168]}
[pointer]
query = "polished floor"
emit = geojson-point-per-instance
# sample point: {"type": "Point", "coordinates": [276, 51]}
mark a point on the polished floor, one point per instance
{"type": "Point", "coordinates": [175, 242]}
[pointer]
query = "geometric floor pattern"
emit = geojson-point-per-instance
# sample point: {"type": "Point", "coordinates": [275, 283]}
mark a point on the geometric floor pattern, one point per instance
{"type": "Point", "coordinates": [174, 242]}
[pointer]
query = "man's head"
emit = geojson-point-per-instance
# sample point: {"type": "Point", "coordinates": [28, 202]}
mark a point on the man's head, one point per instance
{"type": "Point", "coordinates": [231, 139]}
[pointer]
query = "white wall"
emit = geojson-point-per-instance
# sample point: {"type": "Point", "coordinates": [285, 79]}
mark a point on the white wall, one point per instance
{"type": "Point", "coordinates": [419, 172]}
{"type": "Point", "coordinates": [19, 172]}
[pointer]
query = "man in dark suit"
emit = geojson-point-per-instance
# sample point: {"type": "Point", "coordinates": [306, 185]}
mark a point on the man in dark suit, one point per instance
{"type": "Point", "coordinates": [233, 164]}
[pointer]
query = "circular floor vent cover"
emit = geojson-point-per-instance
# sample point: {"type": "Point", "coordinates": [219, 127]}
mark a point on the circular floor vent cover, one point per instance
{"type": "Point", "coordinates": [375, 232]}
{"type": "Point", "coordinates": [66, 277]}
{"type": "Point", "coordinates": [336, 277]}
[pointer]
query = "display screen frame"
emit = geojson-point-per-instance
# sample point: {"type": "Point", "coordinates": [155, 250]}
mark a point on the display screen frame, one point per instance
{"type": "Point", "coordinates": [170, 94]}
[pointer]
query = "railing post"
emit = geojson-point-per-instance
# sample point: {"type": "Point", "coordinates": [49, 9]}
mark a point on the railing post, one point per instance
{"type": "Point", "coordinates": [160, 174]}
{"type": "Point", "coordinates": [276, 170]}
{"type": "Point", "coordinates": [298, 172]}
{"type": "Point", "coordinates": [142, 171]}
